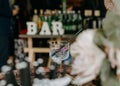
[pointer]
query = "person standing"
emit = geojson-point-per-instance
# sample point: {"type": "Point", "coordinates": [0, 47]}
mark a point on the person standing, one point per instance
{"type": "Point", "coordinates": [6, 14]}
{"type": "Point", "coordinates": [5, 30]}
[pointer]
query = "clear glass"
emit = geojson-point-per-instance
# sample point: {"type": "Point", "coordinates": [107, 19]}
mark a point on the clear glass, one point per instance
{"type": "Point", "coordinates": [59, 51]}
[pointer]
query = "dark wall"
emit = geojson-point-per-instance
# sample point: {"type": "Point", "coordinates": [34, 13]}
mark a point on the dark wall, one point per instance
{"type": "Point", "coordinates": [94, 5]}
{"type": "Point", "coordinates": [45, 4]}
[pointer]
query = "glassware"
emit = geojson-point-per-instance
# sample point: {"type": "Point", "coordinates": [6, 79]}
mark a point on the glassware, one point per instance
{"type": "Point", "coordinates": [59, 51]}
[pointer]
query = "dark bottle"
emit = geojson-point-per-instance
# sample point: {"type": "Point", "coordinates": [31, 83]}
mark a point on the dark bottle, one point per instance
{"type": "Point", "coordinates": [79, 20]}
{"type": "Point", "coordinates": [42, 15]}
{"type": "Point", "coordinates": [64, 21]}
{"type": "Point", "coordinates": [64, 5]}
{"type": "Point", "coordinates": [60, 16]}
{"type": "Point", "coordinates": [74, 22]}
{"type": "Point", "coordinates": [49, 19]}
{"type": "Point", "coordinates": [53, 16]}
{"type": "Point", "coordinates": [68, 23]}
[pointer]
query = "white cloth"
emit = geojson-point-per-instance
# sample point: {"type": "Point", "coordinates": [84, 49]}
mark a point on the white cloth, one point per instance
{"type": "Point", "coordinates": [88, 58]}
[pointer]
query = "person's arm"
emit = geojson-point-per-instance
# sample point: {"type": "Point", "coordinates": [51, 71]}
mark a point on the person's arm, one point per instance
{"type": "Point", "coordinates": [5, 10]}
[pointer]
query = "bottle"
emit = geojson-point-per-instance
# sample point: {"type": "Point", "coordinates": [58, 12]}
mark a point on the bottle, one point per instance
{"type": "Point", "coordinates": [73, 22]}
{"type": "Point", "coordinates": [35, 16]}
{"type": "Point", "coordinates": [53, 15]}
{"type": "Point", "coordinates": [64, 5]}
{"type": "Point", "coordinates": [60, 16]}
{"type": "Point", "coordinates": [79, 20]}
{"type": "Point", "coordinates": [42, 15]}
{"type": "Point", "coordinates": [39, 22]}
{"type": "Point", "coordinates": [49, 19]}
{"type": "Point", "coordinates": [68, 23]}
{"type": "Point", "coordinates": [56, 15]}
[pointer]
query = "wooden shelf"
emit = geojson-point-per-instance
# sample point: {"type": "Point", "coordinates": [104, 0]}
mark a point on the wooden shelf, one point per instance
{"type": "Point", "coordinates": [32, 50]}
{"type": "Point", "coordinates": [44, 36]}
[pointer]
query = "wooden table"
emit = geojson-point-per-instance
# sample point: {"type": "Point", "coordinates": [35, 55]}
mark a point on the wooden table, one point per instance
{"type": "Point", "coordinates": [32, 50]}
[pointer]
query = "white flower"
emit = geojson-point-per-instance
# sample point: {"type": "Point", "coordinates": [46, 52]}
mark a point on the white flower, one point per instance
{"type": "Point", "coordinates": [54, 82]}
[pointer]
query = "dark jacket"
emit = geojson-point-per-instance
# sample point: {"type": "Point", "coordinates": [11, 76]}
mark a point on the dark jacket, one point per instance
{"type": "Point", "coordinates": [5, 18]}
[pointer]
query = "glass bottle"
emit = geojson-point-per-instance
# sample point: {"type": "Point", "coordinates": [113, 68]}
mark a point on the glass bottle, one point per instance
{"type": "Point", "coordinates": [35, 16]}
{"type": "Point", "coordinates": [79, 20]}
{"type": "Point", "coordinates": [39, 22]}
{"type": "Point", "coordinates": [64, 21]}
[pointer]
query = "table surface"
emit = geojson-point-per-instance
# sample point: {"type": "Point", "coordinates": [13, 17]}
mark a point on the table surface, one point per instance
{"type": "Point", "coordinates": [44, 36]}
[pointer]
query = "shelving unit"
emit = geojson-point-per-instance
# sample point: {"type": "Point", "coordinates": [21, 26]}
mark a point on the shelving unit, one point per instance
{"type": "Point", "coordinates": [31, 50]}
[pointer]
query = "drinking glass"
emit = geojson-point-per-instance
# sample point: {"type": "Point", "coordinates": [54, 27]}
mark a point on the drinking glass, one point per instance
{"type": "Point", "coordinates": [59, 51]}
